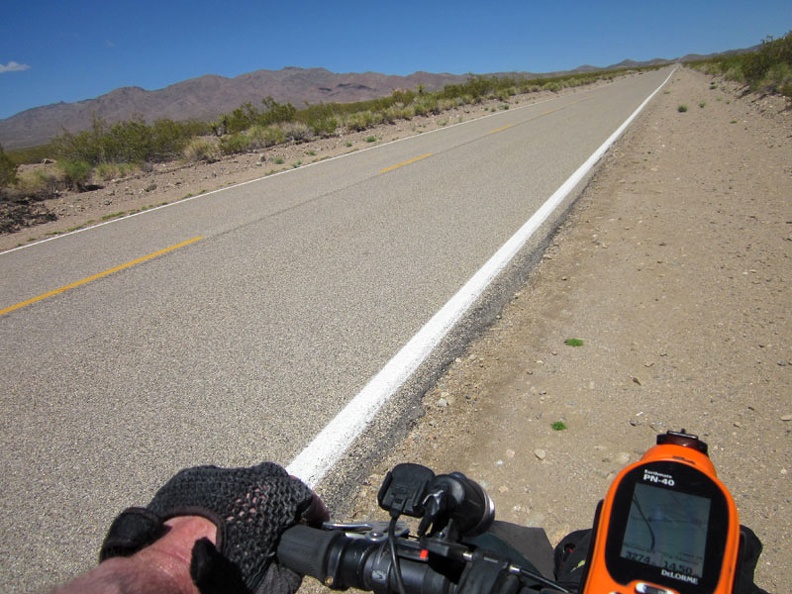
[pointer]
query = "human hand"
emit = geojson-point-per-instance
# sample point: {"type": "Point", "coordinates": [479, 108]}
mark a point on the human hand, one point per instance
{"type": "Point", "coordinates": [250, 507]}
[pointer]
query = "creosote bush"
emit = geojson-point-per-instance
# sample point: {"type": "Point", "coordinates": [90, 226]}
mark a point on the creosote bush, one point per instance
{"type": "Point", "coordinates": [768, 69]}
{"type": "Point", "coordinates": [8, 170]}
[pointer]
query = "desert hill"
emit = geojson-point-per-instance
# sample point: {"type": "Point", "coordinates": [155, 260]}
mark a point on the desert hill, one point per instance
{"type": "Point", "coordinates": [206, 97]}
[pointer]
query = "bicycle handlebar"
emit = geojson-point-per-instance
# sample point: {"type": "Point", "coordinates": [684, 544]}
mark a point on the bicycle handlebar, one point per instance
{"type": "Point", "coordinates": [430, 566]}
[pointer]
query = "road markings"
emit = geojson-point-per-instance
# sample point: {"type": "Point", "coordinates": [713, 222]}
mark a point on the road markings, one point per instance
{"type": "Point", "coordinates": [330, 444]}
{"type": "Point", "coordinates": [501, 129]}
{"type": "Point", "coordinates": [94, 277]}
{"type": "Point", "coordinates": [403, 163]}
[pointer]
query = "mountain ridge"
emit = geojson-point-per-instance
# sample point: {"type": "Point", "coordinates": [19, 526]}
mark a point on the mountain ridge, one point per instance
{"type": "Point", "coordinates": [208, 96]}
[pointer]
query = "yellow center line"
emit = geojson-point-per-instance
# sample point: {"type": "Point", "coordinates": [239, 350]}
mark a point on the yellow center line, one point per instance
{"type": "Point", "coordinates": [501, 129]}
{"type": "Point", "coordinates": [402, 164]}
{"type": "Point", "coordinates": [94, 277]}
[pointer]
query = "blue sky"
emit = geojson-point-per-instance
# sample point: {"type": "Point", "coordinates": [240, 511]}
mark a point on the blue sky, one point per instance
{"type": "Point", "coordinates": [70, 50]}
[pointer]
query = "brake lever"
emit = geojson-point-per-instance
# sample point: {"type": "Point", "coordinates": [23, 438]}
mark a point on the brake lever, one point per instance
{"type": "Point", "coordinates": [374, 531]}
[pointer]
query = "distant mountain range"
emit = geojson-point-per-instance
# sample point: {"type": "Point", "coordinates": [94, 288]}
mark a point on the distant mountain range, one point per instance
{"type": "Point", "coordinates": [207, 97]}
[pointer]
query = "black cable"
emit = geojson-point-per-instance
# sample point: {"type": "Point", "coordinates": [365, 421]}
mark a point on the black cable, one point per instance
{"type": "Point", "coordinates": [394, 556]}
{"type": "Point", "coordinates": [537, 577]}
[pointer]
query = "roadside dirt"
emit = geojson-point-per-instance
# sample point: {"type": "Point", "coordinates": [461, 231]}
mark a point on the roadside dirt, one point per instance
{"type": "Point", "coordinates": [673, 269]}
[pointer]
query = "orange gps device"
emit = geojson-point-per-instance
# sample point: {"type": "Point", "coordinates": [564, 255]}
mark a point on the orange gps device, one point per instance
{"type": "Point", "coordinates": [666, 526]}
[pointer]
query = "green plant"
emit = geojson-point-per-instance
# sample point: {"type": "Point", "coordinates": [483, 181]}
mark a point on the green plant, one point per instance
{"type": "Point", "coordinates": [278, 161]}
{"type": "Point", "coordinates": [682, 108]}
{"type": "Point", "coordinates": [558, 426]}
{"type": "Point", "coordinates": [202, 149]}
{"type": "Point", "coordinates": [8, 170]}
{"type": "Point", "coordinates": [768, 69]}
{"type": "Point", "coordinates": [266, 136]}
{"type": "Point", "coordinates": [108, 171]}
{"type": "Point", "coordinates": [236, 143]}
{"type": "Point", "coordinates": [40, 182]}
{"type": "Point", "coordinates": [76, 174]}
{"type": "Point", "coordinates": [126, 142]}
{"type": "Point", "coordinates": [702, 104]}
{"type": "Point", "coordinates": [358, 122]}
{"type": "Point", "coordinates": [573, 342]}
{"type": "Point", "coordinates": [297, 131]}
{"type": "Point", "coordinates": [371, 139]}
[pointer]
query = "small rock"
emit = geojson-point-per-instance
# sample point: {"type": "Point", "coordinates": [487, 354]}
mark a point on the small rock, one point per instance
{"type": "Point", "coordinates": [540, 454]}
{"type": "Point", "coordinates": [786, 418]}
{"type": "Point", "coordinates": [150, 188]}
{"type": "Point", "coordinates": [510, 453]}
{"type": "Point", "coordinates": [442, 403]}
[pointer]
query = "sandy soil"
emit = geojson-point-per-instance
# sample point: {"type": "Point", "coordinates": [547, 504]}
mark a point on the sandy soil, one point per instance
{"type": "Point", "coordinates": [673, 269]}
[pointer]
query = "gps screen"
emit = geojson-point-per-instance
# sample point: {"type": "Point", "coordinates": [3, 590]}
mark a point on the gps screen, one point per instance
{"type": "Point", "coordinates": [667, 529]}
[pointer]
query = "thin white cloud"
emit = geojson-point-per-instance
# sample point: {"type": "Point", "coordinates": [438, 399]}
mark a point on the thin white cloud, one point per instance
{"type": "Point", "coordinates": [13, 67]}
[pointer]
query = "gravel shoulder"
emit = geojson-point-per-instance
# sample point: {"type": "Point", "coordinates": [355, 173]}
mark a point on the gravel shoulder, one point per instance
{"type": "Point", "coordinates": [673, 269]}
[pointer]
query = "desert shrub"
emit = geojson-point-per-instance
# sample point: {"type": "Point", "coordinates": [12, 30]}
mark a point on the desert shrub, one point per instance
{"type": "Point", "coordinates": [168, 138]}
{"type": "Point", "coordinates": [108, 171]}
{"type": "Point", "coordinates": [734, 73]}
{"type": "Point", "coordinates": [266, 136]}
{"type": "Point", "coordinates": [447, 104]}
{"type": "Point", "coordinates": [324, 127]}
{"type": "Point", "coordinates": [31, 155]}
{"type": "Point", "coordinates": [235, 144]}
{"type": "Point", "coordinates": [247, 115]}
{"type": "Point", "coordinates": [125, 142]}
{"type": "Point", "coordinates": [40, 182]}
{"type": "Point", "coordinates": [778, 79]}
{"type": "Point", "coordinates": [297, 131]}
{"type": "Point", "coordinates": [357, 122]}
{"type": "Point", "coordinates": [426, 105]}
{"type": "Point", "coordinates": [76, 174]}
{"type": "Point", "coordinates": [8, 170]}
{"type": "Point", "coordinates": [390, 114]}
{"type": "Point", "coordinates": [506, 93]}
{"type": "Point", "coordinates": [408, 112]}
{"type": "Point", "coordinates": [277, 113]}
{"type": "Point", "coordinates": [202, 149]}
{"type": "Point", "coordinates": [403, 97]}
{"type": "Point", "coordinates": [769, 68]}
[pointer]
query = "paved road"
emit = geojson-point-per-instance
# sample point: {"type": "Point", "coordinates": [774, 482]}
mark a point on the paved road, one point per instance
{"type": "Point", "coordinates": [272, 305]}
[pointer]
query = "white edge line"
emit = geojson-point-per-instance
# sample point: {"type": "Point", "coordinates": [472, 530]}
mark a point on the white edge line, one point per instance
{"type": "Point", "coordinates": [327, 448]}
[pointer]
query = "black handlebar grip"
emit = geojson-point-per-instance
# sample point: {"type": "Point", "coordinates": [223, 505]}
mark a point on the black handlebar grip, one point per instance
{"type": "Point", "coordinates": [304, 550]}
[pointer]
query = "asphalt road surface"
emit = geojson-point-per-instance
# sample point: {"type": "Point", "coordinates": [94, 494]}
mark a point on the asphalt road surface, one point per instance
{"type": "Point", "coordinates": [231, 328]}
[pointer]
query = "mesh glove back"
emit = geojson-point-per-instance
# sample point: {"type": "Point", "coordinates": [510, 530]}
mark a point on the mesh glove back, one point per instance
{"type": "Point", "coordinates": [251, 508]}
